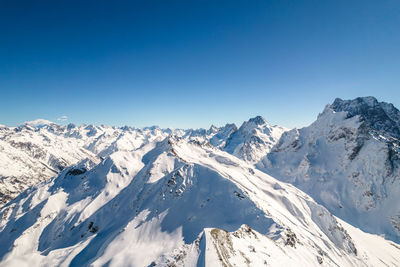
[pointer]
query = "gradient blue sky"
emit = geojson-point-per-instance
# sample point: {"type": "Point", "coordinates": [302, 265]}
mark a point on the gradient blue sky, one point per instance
{"type": "Point", "coordinates": [193, 63]}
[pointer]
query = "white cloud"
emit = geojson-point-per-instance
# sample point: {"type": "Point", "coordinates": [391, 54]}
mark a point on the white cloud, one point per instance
{"type": "Point", "coordinates": [63, 118]}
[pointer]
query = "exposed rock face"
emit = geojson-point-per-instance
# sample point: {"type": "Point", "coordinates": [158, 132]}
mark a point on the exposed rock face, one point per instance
{"type": "Point", "coordinates": [379, 116]}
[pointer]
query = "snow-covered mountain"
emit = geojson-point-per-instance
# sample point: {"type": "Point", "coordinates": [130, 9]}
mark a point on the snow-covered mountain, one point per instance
{"type": "Point", "coordinates": [40, 149]}
{"type": "Point", "coordinates": [347, 160]}
{"type": "Point", "coordinates": [178, 202]}
{"type": "Point", "coordinates": [174, 197]}
{"type": "Point", "coordinates": [29, 155]}
{"type": "Point", "coordinates": [253, 140]}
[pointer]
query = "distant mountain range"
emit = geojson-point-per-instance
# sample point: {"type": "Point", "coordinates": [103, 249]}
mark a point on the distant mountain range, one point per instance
{"type": "Point", "coordinates": [122, 196]}
{"type": "Point", "coordinates": [38, 150]}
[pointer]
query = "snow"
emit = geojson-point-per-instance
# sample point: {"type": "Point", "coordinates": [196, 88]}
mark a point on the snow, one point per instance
{"type": "Point", "coordinates": [100, 195]}
{"type": "Point", "coordinates": [209, 207]}
{"type": "Point", "coordinates": [29, 155]}
{"type": "Point", "coordinates": [140, 245]}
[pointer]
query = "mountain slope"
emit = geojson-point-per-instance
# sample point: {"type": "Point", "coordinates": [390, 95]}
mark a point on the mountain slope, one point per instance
{"type": "Point", "coordinates": [347, 160]}
{"type": "Point", "coordinates": [177, 201]}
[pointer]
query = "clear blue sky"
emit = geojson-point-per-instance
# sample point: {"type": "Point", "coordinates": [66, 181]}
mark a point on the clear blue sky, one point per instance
{"type": "Point", "coordinates": [193, 63]}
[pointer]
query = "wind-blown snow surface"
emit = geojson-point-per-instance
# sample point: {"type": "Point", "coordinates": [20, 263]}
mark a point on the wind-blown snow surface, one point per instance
{"type": "Point", "coordinates": [347, 160]}
{"type": "Point", "coordinates": [39, 150]}
{"type": "Point", "coordinates": [177, 201]}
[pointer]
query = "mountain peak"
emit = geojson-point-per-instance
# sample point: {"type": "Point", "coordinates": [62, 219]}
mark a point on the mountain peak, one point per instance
{"type": "Point", "coordinates": [253, 140]}
{"type": "Point", "coordinates": [249, 126]}
{"type": "Point", "coordinates": [258, 120]}
{"type": "Point", "coordinates": [213, 128]}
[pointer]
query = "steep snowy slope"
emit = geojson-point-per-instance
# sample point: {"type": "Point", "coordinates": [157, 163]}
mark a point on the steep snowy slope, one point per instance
{"type": "Point", "coordinates": [176, 201]}
{"type": "Point", "coordinates": [347, 160]}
